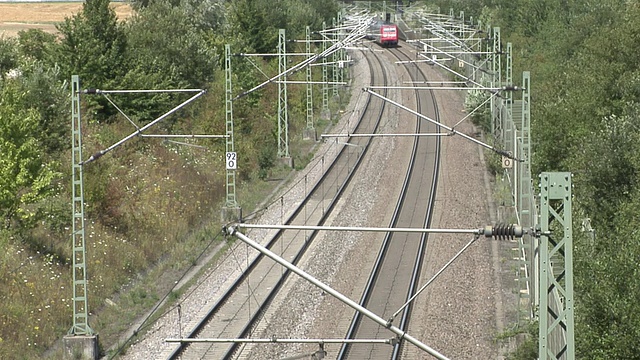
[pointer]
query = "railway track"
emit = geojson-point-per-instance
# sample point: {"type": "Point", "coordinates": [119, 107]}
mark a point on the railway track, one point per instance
{"type": "Point", "coordinates": [394, 277]}
{"type": "Point", "coordinates": [236, 314]}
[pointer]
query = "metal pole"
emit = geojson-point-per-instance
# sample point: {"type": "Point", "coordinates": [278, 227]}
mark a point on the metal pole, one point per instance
{"type": "Point", "coordinates": [79, 251]}
{"type": "Point", "coordinates": [325, 86]}
{"type": "Point", "coordinates": [384, 135]}
{"type": "Point", "coordinates": [496, 124]}
{"type": "Point", "coordinates": [309, 87]}
{"type": "Point", "coordinates": [336, 60]}
{"type": "Point", "coordinates": [556, 322]}
{"type": "Point", "coordinates": [231, 201]}
{"type": "Point", "coordinates": [283, 341]}
{"type": "Point", "coordinates": [354, 228]}
{"type": "Point", "coordinates": [283, 116]}
{"type": "Point", "coordinates": [527, 201]}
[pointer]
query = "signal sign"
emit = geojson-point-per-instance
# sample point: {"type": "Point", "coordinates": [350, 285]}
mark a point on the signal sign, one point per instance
{"type": "Point", "coordinates": [507, 163]}
{"type": "Point", "coordinates": [231, 160]}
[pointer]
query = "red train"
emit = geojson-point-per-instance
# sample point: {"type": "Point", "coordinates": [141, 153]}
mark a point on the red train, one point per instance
{"type": "Point", "coordinates": [385, 34]}
{"type": "Point", "coordinates": [388, 35]}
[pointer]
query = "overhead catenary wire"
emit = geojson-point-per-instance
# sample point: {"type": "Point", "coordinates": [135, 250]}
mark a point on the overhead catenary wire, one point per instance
{"type": "Point", "coordinates": [499, 151]}
{"type": "Point", "coordinates": [414, 296]}
{"type": "Point", "coordinates": [232, 231]}
{"type": "Point", "coordinates": [358, 32]}
{"type": "Point", "coordinates": [100, 153]}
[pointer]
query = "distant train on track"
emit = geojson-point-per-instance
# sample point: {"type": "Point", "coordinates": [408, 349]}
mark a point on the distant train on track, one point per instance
{"type": "Point", "coordinates": [384, 33]}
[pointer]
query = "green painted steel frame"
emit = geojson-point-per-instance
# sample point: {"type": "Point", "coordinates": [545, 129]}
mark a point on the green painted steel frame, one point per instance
{"type": "Point", "coordinates": [325, 73]}
{"type": "Point", "coordinates": [283, 116]}
{"type": "Point", "coordinates": [526, 197]}
{"type": "Point", "coordinates": [496, 80]}
{"type": "Point", "coordinates": [342, 55]}
{"type": "Point", "coordinates": [556, 330]}
{"type": "Point", "coordinates": [79, 252]}
{"type": "Point", "coordinates": [231, 200]}
{"type": "Point", "coordinates": [336, 59]}
{"type": "Point", "coordinates": [309, 84]}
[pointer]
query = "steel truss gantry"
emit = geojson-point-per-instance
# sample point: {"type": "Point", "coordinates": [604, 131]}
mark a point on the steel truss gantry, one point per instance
{"type": "Point", "coordinates": [283, 116]}
{"type": "Point", "coordinates": [526, 202]}
{"type": "Point", "coordinates": [309, 132]}
{"type": "Point", "coordinates": [80, 330]}
{"type": "Point", "coordinates": [326, 113]}
{"type": "Point", "coordinates": [556, 330]}
{"type": "Point", "coordinates": [231, 203]}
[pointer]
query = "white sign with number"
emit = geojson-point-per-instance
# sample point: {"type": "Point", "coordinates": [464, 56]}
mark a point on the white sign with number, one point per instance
{"type": "Point", "coordinates": [232, 160]}
{"type": "Point", "coordinates": [507, 163]}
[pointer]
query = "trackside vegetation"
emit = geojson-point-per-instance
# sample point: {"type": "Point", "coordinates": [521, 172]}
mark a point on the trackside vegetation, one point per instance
{"type": "Point", "coordinates": [151, 205]}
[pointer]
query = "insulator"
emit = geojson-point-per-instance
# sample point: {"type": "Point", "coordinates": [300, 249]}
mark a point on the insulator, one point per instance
{"type": "Point", "coordinates": [503, 231]}
{"type": "Point", "coordinates": [511, 88]}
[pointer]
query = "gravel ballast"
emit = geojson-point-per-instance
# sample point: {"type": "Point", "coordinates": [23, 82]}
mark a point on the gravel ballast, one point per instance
{"type": "Point", "coordinates": [458, 315]}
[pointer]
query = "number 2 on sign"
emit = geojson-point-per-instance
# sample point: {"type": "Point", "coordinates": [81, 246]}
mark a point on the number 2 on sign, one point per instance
{"type": "Point", "coordinates": [231, 161]}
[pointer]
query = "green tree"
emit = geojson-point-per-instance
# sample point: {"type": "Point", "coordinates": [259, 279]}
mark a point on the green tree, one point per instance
{"type": "Point", "coordinates": [8, 56]}
{"type": "Point", "coordinates": [93, 46]}
{"type": "Point", "coordinates": [165, 40]}
{"type": "Point", "coordinates": [167, 49]}
{"type": "Point", "coordinates": [25, 178]}
{"type": "Point", "coordinates": [257, 22]}
{"type": "Point", "coordinates": [36, 44]}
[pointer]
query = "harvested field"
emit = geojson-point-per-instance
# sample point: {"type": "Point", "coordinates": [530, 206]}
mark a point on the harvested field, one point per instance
{"type": "Point", "coordinates": [15, 17]}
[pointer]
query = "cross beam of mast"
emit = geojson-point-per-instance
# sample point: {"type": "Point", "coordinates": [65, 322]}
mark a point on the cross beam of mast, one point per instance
{"type": "Point", "coordinates": [501, 152]}
{"type": "Point", "coordinates": [380, 321]}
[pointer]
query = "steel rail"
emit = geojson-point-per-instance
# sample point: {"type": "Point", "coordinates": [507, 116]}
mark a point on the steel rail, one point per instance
{"type": "Point", "coordinates": [327, 213]}
{"type": "Point", "coordinates": [415, 276]}
{"type": "Point", "coordinates": [375, 273]}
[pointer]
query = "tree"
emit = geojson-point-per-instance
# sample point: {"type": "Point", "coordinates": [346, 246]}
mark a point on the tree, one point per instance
{"type": "Point", "coordinates": [36, 44]}
{"type": "Point", "coordinates": [8, 56]}
{"type": "Point", "coordinates": [164, 40]}
{"type": "Point", "coordinates": [25, 178]}
{"type": "Point", "coordinates": [93, 46]}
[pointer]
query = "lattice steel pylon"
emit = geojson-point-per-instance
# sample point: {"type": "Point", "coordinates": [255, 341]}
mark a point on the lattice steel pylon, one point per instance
{"type": "Point", "coordinates": [341, 53]}
{"type": "Point", "coordinates": [283, 117]}
{"type": "Point", "coordinates": [556, 327]}
{"type": "Point", "coordinates": [496, 104]}
{"type": "Point", "coordinates": [231, 201]}
{"type": "Point", "coordinates": [509, 75]}
{"type": "Point", "coordinates": [526, 197]}
{"type": "Point", "coordinates": [79, 252]}
{"type": "Point", "coordinates": [310, 126]}
{"type": "Point", "coordinates": [325, 76]}
{"type": "Point", "coordinates": [336, 60]}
